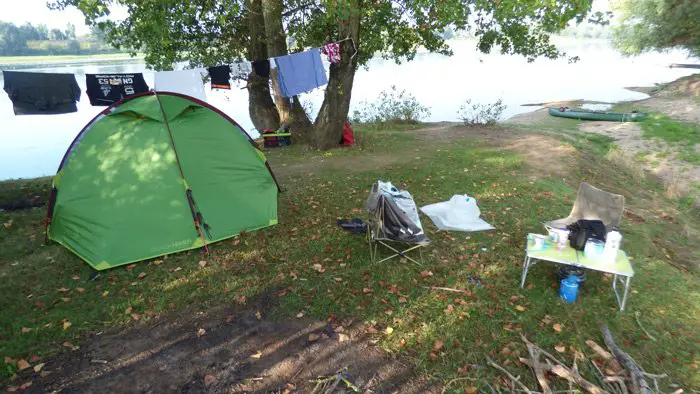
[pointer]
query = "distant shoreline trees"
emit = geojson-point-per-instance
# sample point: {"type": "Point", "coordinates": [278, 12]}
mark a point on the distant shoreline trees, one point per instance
{"type": "Point", "coordinates": [29, 39]}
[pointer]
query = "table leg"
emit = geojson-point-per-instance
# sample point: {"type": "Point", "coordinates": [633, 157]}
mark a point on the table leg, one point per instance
{"type": "Point", "coordinates": [624, 296]}
{"type": "Point", "coordinates": [526, 266]}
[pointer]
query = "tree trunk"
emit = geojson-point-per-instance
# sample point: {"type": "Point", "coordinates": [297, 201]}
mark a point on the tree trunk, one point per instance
{"type": "Point", "coordinates": [262, 109]}
{"type": "Point", "coordinates": [291, 114]}
{"type": "Point", "coordinates": [328, 127]}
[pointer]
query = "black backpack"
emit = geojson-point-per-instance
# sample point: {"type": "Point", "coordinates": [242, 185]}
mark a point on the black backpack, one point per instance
{"type": "Point", "coordinates": [583, 229]}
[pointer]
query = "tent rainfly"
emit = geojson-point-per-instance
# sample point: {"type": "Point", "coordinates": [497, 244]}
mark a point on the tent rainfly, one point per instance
{"type": "Point", "coordinates": [158, 173]}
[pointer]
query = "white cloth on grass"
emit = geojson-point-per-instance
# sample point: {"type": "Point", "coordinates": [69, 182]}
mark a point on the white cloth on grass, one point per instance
{"type": "Point", "coordinates": [187, 82]}
{"type": "Point", "coordinates": [460, 213]}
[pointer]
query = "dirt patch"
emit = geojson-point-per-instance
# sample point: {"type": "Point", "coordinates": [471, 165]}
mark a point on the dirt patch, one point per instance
{"type": "Point", "coordinates": [236, 353]}
{"type": "Point", "coordinates": [655, 156]}
{"type": "Point", "coordinates": [545, 155]}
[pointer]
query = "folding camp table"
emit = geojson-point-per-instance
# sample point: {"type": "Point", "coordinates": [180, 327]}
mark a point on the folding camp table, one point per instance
{"type": "Point", "coordinates": [621, 269]}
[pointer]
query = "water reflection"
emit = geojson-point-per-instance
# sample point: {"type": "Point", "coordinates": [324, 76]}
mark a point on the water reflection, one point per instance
{"type": "Point", "coordinates": [32, 146]}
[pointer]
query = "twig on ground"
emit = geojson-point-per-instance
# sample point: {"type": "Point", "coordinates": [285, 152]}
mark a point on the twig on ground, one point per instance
{"type": "Point", "coordinates": [639, 384]}
{"type": "Point", "coordinates": [544, 352]}
{"type": "Point", "coordinates": [599, 350]}
{"type": "Point", "coordinates": [655, 375]}
{"type": "Point", "coordinates": [573, 376]}
{"type": "Point", "coordinates": [453, 381]}
{"type": "Point", "coordinates": [511, 377]}
{"type": "Point", "coordinates": [601, 377]}
{"type": "Point", "coordinates": [636, 317]}
{"type": "Point", "coordinates": [620, 382]}
{"type": "Point", "coordinates": [539, 372]}
{"type": "Point", "coordinates": [446, 289]}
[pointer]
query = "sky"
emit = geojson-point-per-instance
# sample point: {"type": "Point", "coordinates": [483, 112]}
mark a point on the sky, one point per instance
{"type": "Point", "coordinates": [36, 12]}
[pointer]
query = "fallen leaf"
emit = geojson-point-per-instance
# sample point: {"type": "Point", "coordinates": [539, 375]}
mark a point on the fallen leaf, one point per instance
{"type": "Point", "coordinates": [560, 348]}
{"type": "Point", "coordinates": [66, 325]}
{"type": "Point", "coordinates": [471, 390]}
{"type": "Point", "coordinates": [201, 332]}
{"type": "Point", "coordinates": [105, 294]}
{"type": "Point", "coordinates": [177, 269]}
{"type": "Point", "coordinates": [34, 359]}
{"type": "Point", "coordinates": [557, 327]}
{"type": "Point", "coordinates": [8, 224]}
{"type": "Point", "coordinates": [300, 315]}
{"type": "Point", "coordinates": [130, 267]}
{"type": "Point", "coordinates": [157, 262]}
{"type": "Point", "coordinates": [241, 299]}
{"type": "Point", "coordinates": [388, 312]}
{"type": "Point", "coordinates": [44, 374]}
{"type": "Point", "coordinates": [610, 372]}
{"type": "Point", "coordinates": [319, 267]}
{"type": "Point", "coordinates": [76, 277]}
{"type": "Point", "coordinates": [128, 310]}
{"type": "Point", "coordinates": [70, 346]}
{"type": "Point", "coordinates": [520, 308]}
{"type": "Point", "coordinates": [209, 379]}
{"type": "Point", "coordinates": [449, 309]}
{"type": "Point", "coordinates": [433, 356]}
{"type": "Point", "coordinates": [314, 337]}
{"type": "Point", "coordinates": [426, 274]}
{"type": "Point", "coordinates": [65, 299]}
{"type": "Point", "coordinates": [343, 337]}
{"type": "Point", "coordinates": [366, 290]}
{"type": "Point", "coordinates": [438, 345]}
{"type": "Point", "coordinates": [258, 315]}
{"type": "Point", "coordinates": [402, 300]}
{"type": "Point", "coordinates": [505, 351]}
{"type": "Point", "coordinates": [142, 275]}
{"type": "Point", "coordinates": [135, 316]}
{"type": "Point", "coordinates": [257, 355]}
{"type": "Point", "coordinates": [25, 386]}
{"type": "Point", "coordinates": [63, 290]}
{"type": "Point", "coordinates": [22, 365]}
{"type": "Point", "coordinates": [12, 389]}
{"type": "Point", "coordinates": [9, 361]}
{"type": "Point", "coordinates": [38, 367]}
{"type": "Point", "coordinates": [80, 290]}
{"type": "Point", "coordinates": [389, 330]}
{"type": "Point", "coordinates": [26, 330]}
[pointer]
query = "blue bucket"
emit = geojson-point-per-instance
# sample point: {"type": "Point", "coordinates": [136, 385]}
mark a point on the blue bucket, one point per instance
{"type": "Point", "coordinates": [569, 289]}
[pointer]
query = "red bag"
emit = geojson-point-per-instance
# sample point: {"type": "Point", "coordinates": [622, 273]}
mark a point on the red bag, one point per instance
{"type": "Point", "coordinates": [348, 135]}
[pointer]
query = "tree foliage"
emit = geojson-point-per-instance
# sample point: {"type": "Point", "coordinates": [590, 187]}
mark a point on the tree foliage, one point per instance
{"type": "Point", "coordinates": [658, 25]}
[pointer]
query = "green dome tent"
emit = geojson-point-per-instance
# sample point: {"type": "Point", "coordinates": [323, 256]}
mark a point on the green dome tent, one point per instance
{"type": "Point", "coordinates": [158, 173]}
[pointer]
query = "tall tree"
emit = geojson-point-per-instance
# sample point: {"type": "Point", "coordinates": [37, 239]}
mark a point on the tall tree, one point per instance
{"type": "Point", "coordinates": [207, 32]}
{"type": "Point", "coordinates": [658, 25]}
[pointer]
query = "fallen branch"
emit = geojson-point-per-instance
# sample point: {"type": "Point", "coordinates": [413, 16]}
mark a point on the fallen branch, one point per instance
{"type": "Point", "coordinates": [446, 289]}
{"type": "Point", "coordinates": [511, 377]}
{"type": "Point", "coordinates": [539, 372]}
{"type": "Point", "coordinates": [636, 317]}
{"type": "Point", "coordinates": [639, 384]}
{"type": "Point", "coordinates": [599, 350]}
{"type": "Point", "coordinates": [621, 382]}
{"type": "Point", "coordinates": [544, 352]}
{"type": "Point", "coordinates": [566, 373]}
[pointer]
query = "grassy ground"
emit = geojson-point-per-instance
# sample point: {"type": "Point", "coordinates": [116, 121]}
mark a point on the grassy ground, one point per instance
{"type": "Point", "coordinates": [47, 299]}
{"type": "Point", "coordinates": [682, 134]}
{"type": "Point", "coordinates": [20, 60]}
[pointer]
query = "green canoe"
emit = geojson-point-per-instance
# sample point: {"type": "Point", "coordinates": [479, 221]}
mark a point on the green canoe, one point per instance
{"type": "Point", "coordinates": [593, 115]}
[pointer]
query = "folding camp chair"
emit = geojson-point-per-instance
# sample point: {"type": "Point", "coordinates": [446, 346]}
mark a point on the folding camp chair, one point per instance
{"type": "Point", "coordinates": [593, 204]}
{"type": "Point", "coordinates": [389, 227]}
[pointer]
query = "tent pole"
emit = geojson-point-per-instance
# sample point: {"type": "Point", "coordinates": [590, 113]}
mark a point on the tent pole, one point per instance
{"type": "Point", "coordinates": [188, 191]}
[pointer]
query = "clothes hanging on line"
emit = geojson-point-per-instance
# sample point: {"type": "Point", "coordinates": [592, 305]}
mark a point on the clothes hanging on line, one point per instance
{"type": "Point", "coordinates": [187, 82]}
{"type": "Point", "coordinates": [41, 93]}
{"type": "Point", "coordinates": [220, 77]}
{"type": "Point", "coordinates": [300, 72]}
{"type": "Point", "coordinates": [262, 67]}
{"type": "Point", "coordinates": [107, 89]}
{"type": "Point", "coordinates": [332, 50]}
{"type": "Point", "coordinates": [241, 70]}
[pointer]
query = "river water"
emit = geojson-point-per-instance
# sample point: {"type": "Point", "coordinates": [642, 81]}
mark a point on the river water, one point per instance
{"type": "Point", "coordinates": [32, 146]}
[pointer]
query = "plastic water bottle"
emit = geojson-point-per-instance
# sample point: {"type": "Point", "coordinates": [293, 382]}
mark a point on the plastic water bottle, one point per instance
{"type": "Point", "coordinates": [612, 245]}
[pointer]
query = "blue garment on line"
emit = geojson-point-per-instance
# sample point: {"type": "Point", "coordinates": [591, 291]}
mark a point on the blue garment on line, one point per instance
{"type": "Point", "coordinates": [300, 72]}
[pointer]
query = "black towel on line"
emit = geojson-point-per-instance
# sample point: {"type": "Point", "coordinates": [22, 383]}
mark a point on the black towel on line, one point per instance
{"type": "Point", "coordinates": [262, 67]}
{"type": "Point", "coordinates": [107, 89]}
{"type": "Point", "coordinates": [41, 93]}
{"type": "Point", "coordinates": [220, 77]}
